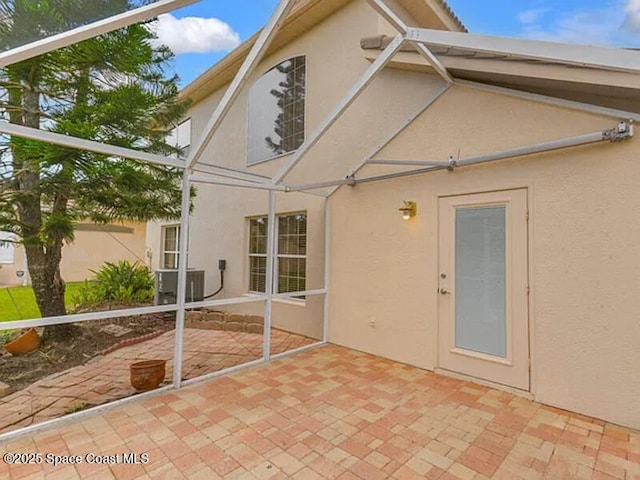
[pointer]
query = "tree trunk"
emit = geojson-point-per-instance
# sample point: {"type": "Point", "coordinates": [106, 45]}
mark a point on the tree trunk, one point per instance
{"type": "Point", "coordinates": [49, 289]}
{"type": "Point", "coordinates": [43, 261]}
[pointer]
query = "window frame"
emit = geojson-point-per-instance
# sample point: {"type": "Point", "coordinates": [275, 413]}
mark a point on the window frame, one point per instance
{"type": "Point", "coordinates": [276, 267]}
{"type": "Point", "coordinates": [163, 247]}
{"type": "Point", "coordinates": [257, 255]}
{"type": "Point", "coordinates": [306, 103]}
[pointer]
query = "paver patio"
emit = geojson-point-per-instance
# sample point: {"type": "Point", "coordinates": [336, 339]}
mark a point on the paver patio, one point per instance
{"type": "Point", "coordinates": [106, 378]}
{"type": "Point", "coordinates": [336, 413]}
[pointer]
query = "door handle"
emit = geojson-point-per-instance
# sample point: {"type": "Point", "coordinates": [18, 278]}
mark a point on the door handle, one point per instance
{"type": "Point", "coordinates": [444, 291]}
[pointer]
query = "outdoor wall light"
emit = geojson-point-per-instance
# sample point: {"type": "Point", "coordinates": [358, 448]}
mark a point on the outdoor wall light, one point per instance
{"type": "Point", "coordinates": [409, 210]}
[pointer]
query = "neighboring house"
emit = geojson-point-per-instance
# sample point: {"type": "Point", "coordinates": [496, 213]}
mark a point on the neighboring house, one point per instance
{"type": "Point", "coordinates": [93, 246]}
{"type": "Point", "coordinates": [520, 273]}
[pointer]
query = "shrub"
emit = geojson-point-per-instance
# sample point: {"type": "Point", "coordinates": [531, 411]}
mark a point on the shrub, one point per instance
{"type": "Point", "coordinates": [121, 283]}
{"type": "Point", "coordinates": [7, 336]}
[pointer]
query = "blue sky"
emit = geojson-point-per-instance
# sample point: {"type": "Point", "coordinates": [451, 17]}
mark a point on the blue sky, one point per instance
{"type": "Point", "coordinates": [603, 22]}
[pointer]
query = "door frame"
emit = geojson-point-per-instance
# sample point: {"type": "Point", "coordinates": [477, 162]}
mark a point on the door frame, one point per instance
{"type": "Point", "coordinates": [445, 192]}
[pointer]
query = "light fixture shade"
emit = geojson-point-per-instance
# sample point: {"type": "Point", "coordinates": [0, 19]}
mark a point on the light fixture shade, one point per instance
{"type": "Point", "coordinates": [409, 210]}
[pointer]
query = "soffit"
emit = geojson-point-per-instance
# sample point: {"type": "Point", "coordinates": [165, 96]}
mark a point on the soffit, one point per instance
{"type": "Point", "coordinates": [617, 90]}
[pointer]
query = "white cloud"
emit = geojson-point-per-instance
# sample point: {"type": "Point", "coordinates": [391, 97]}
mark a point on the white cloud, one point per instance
{"type": "Point", "coordinates": [532, 16]}
{"type": "Point", "coordinates": [610, 24]}
{"type": "Point", "coordinates": [594, 28]}
{"type": "Point", "coordinates": [195, 34]}
{"type": "Point", "coordinates": [632, 19]}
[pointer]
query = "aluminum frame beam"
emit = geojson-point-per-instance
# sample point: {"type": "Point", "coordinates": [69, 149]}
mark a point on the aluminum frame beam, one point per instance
{"type": "Point", "coordinates": [409, 163]}
{"type": "Point", "coordinates": [611, 135]}
{"type": "Point", "coordinates": [596, 137]}
{"type": "Point", "coordinates": [316, 185]}
{"type": "Point", "coordinates": [230, 173]}
{"type": "Point", "coordinates": [91, 30]}
{"type": "Point", "coordinates": [250, 63]}
{"type": "Point", "coordinates": [558, 102]}
{"type": "Point", "coordinates": [86, 317]}
{"type": "Point", "coordinates": [88, 145]}
{"type": "Point", "coordinates": [270, 277]}
{"type": "Point", "coordinates": [327, 268]}
{"type": "Point", "coordinates": [304, 293]}
{"type": "Point", "coordinates": [112, 150]}
{"type": "Point", "coordinates": [390, 16]}
{"type": "Point", "coordinates": [183, 264]}
{"type": "Point", "coordinates": [605, 58]}
{"type": "Point", "coordinates": [423, 108]}
{"type": "Point", "coordinates": [351, 96]}
{"type": "Point", "coordinates": [211, 179]}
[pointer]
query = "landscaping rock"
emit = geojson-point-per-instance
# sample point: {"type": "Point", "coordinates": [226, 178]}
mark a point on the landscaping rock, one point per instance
{"type": "Point", "coordinates": [194, 316]}
{"type": "Point", "coordinates": [255, 328]}
{"type": "Point", "coordinates": [257, 319]}
{"type": "Point", "coordinates": [231, 322]}
{"type": "Point", "coordinates": [235, 318]}
{"type": "Point", "coordinates": [214, 317]}
{"type": "Point", "coordinates": [234, 327]}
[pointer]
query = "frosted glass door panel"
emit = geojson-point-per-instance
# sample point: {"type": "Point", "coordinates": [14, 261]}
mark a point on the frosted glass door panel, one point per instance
{"type": "Point", "coordinates": [480, 280]}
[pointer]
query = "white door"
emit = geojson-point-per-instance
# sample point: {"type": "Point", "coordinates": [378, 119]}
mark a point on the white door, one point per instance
{"type": "Point", "coordinates": [483, 296]}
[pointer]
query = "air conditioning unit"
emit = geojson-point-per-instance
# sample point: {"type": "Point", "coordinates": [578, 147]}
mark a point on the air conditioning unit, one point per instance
{"type": "Point", "coordinates": [167, 286]}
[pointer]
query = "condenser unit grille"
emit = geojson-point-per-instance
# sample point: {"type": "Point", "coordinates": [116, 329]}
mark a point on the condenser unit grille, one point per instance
{"type": "Point", "coordinates": [166, 286]}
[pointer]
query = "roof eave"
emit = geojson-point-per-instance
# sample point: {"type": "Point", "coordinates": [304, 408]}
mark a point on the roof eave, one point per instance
{"type": "Point", "coordinates": [223, 71]}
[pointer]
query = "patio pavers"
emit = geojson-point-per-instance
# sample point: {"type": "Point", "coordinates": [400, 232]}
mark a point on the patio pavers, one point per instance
{"type": "Point", "coordinates": [336, 413]}
{"type": "Point", "coordinates": [106, 378]}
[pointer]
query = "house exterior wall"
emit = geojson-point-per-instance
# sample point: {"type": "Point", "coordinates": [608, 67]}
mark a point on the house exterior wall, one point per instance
{"type": "Point", "coordinates": [89, 251]}
{"type": "Point", "coordinates": [583, 252]}
{"type": "Point", "coordinates": [219, 226]}
{"type": "Point", "coordinates": [583, 260]}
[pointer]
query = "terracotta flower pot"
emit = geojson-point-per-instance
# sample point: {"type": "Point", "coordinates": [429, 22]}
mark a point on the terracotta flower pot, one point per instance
{"type": "Point", "coordinates": [25, 343]}
{"type": "Point", "coordinates": [147, 375]}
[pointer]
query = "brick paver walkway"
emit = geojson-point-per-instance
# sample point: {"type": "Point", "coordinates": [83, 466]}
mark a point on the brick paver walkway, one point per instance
{"type": "Point", "coordinates": [106, 378]}
{"type": "Point", "coordinates": [336, 413]}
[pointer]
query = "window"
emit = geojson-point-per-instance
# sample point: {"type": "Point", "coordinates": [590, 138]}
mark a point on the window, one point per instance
{"type": "Point", "coordinates": [291, 253]}
{"type": "Point", "coordinates": [180, 137]}
{"type": "Point", "coordinates": [7, 248]}
{"type": "Point", "coordinates": [258, 254]}
{"type": "Point", "coordinates": [277, 111]}
{"type": "Point", "coordinates": [170, 247]}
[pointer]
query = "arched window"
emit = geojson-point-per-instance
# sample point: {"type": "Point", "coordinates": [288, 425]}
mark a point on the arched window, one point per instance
{"type": "Point", "coordinates": [277, 111]}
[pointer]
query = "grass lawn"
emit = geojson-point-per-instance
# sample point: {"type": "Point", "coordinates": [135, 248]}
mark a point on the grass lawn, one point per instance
{"type": "Point", "coordinates": [26, 302]}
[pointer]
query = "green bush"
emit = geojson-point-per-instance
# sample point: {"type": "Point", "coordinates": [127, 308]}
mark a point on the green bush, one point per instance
{"type": "Point", "coordinates": [121, 283]}
{"type": "Point", "coordinates": [7, 336]}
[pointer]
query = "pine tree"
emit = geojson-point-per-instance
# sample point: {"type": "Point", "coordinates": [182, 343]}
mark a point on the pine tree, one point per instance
{"type": "Point", "coordinates": [112, 89]}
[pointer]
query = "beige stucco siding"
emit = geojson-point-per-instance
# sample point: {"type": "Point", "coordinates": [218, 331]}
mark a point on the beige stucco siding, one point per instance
{"type": "Point", "coordinates": [219, 224]}
{"type": "Point", "coordinates": [334, 63]}
{"type": "Point", "coordinates": [583, 250]}
{"type": "Point", "coordinates": [583, 259]}
{"type": "Point", "coordinates": [8, 271]}
{"type": "Point", "coordinates": [90, 249]}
